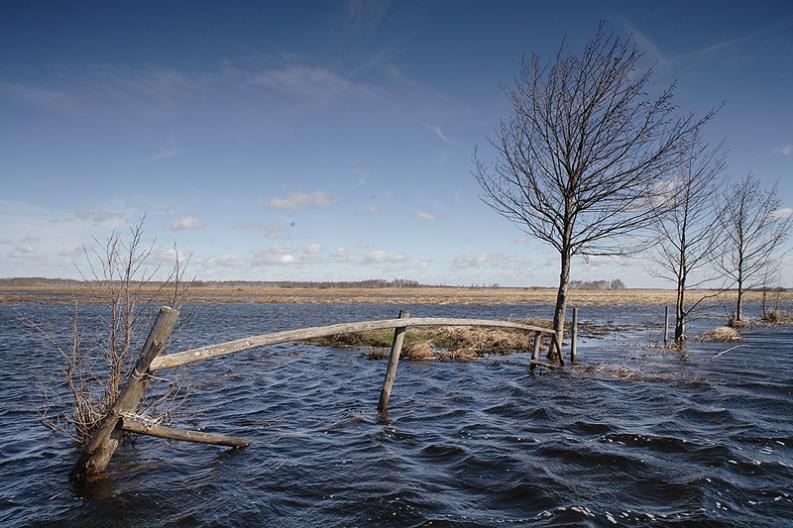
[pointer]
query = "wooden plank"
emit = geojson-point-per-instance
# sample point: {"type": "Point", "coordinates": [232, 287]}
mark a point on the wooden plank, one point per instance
{"type": "Point", "coordinates": [393, 361]}
{"type": "Point", "coordinates": [536, 362]}
{"type": "Point", "coordinates": [183, 435]}
{"type": "Point", "coordinates": [97, 453]}
{"type": "Point", "coordinates": [238, 345]}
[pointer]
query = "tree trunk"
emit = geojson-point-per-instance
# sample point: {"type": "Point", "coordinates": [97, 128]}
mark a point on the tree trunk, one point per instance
{"type": "Point", "coordinates": [680, 314]}
{"type": "Point", "coordinates": [738, 306]}
{"type": "Point", "coordinates": [561, 307]}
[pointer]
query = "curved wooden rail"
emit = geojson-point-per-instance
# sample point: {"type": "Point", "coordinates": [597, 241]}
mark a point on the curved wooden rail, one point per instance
{"type": "Point", "coordinates": [222, 349]}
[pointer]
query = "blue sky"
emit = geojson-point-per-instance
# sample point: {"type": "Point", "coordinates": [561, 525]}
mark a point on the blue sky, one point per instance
{"type": "Point", "coordinates": [332, 141]}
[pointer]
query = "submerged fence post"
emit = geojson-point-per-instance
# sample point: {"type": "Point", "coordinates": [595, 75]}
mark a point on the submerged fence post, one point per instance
{"type": "Point", "coordinates": [535, 353]}
{"type": "Point", "coordinates": [99, 450]}
{"type": "Point", "coordinates": [666, 326]}
{"type": "Point", "coordinates": [393, 361]}
{"type": "Point", "coordinates": [574, 335]}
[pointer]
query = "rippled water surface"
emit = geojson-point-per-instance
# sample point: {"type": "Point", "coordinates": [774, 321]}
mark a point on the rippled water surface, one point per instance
{"type": "Point", "coordinates": [649, 440]}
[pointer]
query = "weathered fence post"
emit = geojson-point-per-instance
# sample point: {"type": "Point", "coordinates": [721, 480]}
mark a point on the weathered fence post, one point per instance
{"type": "Point", "coordinates": [393, 361]}
{"type": "Point", "coordinates": [98, 451]}
{"type": "Point", "coordinates": [574, 335]}
{"type": "Point", "coordinates": [666, 326]}
{"type": "Point", "coordinates": [535, 353]}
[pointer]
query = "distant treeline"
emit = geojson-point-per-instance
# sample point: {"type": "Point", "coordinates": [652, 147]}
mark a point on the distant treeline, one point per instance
{"type": "Point", "coordinates": [370, 283]}
{"type": "Point", "coordinates": [613, 284]}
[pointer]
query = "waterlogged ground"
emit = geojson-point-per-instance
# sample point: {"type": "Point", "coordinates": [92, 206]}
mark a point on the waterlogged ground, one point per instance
{"type": "Point", "coordinates": [640, 439]}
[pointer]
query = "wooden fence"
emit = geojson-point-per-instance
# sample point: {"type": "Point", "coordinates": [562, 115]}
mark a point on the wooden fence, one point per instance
{"type": "Point", "coordinates": [122, 415]}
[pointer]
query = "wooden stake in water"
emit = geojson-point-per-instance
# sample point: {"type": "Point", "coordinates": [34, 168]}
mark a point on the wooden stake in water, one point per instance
{"type": "Point", "coordinates": [98, 451]}
{"type": "Point", "coordinates": [574, 335]}
{"type": "Point", "coordinates": [666, 326]}
{"type": "Point", "coordinates": [535, 353]}
{"type": "Point", "coordinates": [393, 361]}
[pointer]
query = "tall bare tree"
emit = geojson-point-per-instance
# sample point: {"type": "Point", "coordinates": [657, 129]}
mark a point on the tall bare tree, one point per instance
{"type": "Point", "coordinates": [582, 153]}
{"type": "Point", "coordinates": [688, 244]}
{"type": "Point", "coordinates": [755, 229]}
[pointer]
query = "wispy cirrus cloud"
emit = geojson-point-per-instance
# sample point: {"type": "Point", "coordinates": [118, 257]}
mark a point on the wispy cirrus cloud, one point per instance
{"type": "Point", "coordinates": [271, 231]}
{"type": "Point", "coordinates": [301, 200]}
{"type": "Point", "coordinates": [365, 16]}
{"type": "Point", "coordinates": [186, 222]}
{"type": "Point", "coordinates": [371, 210]}
{"type": "Point", "coordinates": [425, 216]}
{"type": "Point", "coordinates": [162, 153]}
{"type": "Point", "coordinates": [438, 133]}
{"type": "Point", "coordinates": [784, 150]}
{"type": "Point", "coordinates": [299, 79]}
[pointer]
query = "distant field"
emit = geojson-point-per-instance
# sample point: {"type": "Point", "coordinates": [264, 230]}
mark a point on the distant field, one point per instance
{"type": "Point", "coordinates": [423, 295]}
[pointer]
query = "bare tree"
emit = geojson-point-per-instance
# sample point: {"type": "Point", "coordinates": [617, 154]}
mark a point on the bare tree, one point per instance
{"type": "Point", "coordinates": [754, 230]}
{"type": "Point", "coordinates": [687, 241]}
{"type": "Point", "coordinates": [583, 152]}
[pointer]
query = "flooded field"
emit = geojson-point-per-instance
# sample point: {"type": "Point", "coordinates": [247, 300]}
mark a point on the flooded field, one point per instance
{"type": "Point", "coordinates": [640, 438]}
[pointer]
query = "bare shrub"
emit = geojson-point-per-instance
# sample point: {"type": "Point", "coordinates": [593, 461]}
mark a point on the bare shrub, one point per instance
{"type": "Point", "coordinates": [95, 369]}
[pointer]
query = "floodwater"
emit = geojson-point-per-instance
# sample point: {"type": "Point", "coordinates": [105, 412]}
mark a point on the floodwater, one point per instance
{"type": "Point", "coordinates": [701, 442]}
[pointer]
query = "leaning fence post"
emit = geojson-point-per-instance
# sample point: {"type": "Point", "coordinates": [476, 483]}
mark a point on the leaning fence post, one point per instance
{"type": "Point", "coordinates": [98, 451]}
{"type": "Point", "coordinates": [535, 353]}
{"type": "Point", "coordinates": [666, 326]}
{"type": "Point", "coordinates": [393, 361]}
{"type": "Point", "coordinates": [573, 335]}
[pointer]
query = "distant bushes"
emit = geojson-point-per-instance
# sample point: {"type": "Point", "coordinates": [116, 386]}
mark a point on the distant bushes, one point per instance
{"type": "Point", "coordinates": [613, 284]}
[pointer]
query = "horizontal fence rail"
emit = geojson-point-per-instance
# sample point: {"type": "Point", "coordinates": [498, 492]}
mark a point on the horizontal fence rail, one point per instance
{"type": "Point", "coordinates": [222, 349]}
{"type": "Point", "coordinates": [122, 417]}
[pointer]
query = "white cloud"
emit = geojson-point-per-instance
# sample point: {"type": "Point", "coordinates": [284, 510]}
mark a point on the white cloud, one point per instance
{"type": "Point", "coordinates": [186, 222]}
{"type": "Point", "coordinates": [371, 210]}
{"type": "Point", "coordinates": [489, 260]}
{"type": "Point", "coordinates": [229, 262]}
{"type": "Point", "coordinates": [784, 150]}
{"type": "Point", "coordinates": [424, 216]}
{"type": "Point", "coordinates": [379, 256]}
{"type": "Point", "coordinates": [376, 257]}
{"type": "Point", "coordinates": [424, 264]}
{"type": "Point", "coordinates": [784, 212]}
{"type": "Point", "coordinates": [25, 252]}
{"type": "Point", "coordinates": [275, 255]}
{"type": "Point", "coordinates": [300, 200]}
{"type": "Point", "coordinates": [313, 249]}
{"type": "Point", "coordinates": [100, 216]}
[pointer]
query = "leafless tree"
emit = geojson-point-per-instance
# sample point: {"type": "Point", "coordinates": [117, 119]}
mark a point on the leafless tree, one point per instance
{"type": "Point", "coordinates": [687, 241]}
{"type": "Point", "coordinates": [583, 152]}
{"type": "Point", "coordinates": [755, 229]}
{"type": "Point", "coordinates": [94, 371]}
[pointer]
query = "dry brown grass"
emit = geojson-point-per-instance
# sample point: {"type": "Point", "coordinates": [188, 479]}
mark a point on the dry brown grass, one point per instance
{"type": "Point", "coordinates": [422, 351]}
{"type": "Point", "coordinates": [397, 296]}
{"type": "Point", "coordinates": [445, 343]}
{"type": "Point", "coordinates": [721, 334]}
